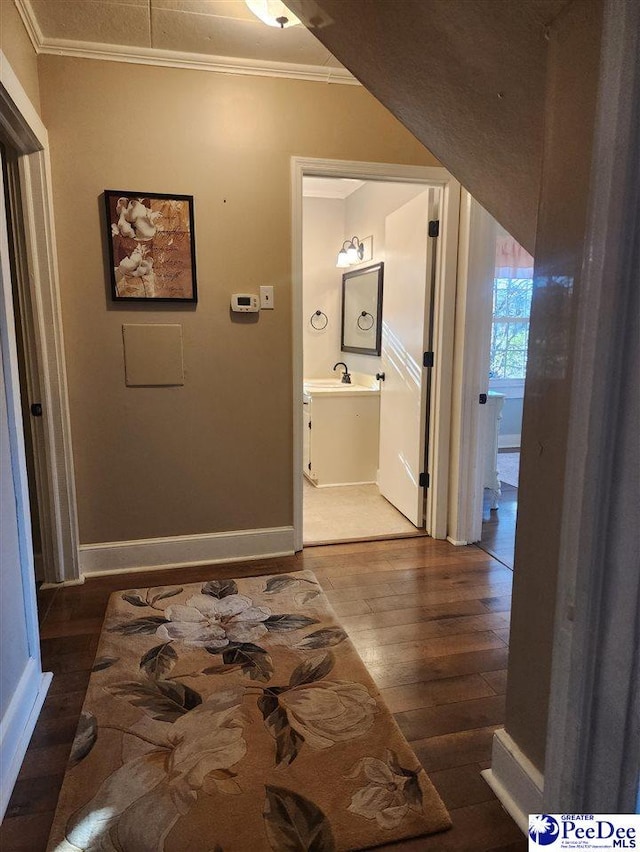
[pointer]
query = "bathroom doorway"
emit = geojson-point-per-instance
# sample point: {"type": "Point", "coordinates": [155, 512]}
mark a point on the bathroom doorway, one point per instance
{"type": "Point", "coordinates": [366, 440]}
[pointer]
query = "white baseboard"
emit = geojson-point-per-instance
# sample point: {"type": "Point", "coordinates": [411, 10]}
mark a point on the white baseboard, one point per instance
{"type": "Point", "coordinates": [456, 542]}
{"type": "Point", "coordinates": [17, 726]}
{"type": "Point", "coordinates": [514, 780]}
{"type": "Point", "coordinates": [77, 582]}
{"type": "Point", "coordinates": [509, 442]}
{"type": "Point", "coordinates": [340, 484]}
{"type": "Point", "coordinates": [118, 557]}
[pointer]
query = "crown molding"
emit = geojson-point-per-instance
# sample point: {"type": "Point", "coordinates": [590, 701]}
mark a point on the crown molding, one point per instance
{"type": "Point", "coordinates": [177, 59]}
{"type": "Point", "coordinates": [31, 24]}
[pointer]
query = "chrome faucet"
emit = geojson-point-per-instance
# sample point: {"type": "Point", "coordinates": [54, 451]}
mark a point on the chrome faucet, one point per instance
{"type": "Point", "coordinates": [346, 376]}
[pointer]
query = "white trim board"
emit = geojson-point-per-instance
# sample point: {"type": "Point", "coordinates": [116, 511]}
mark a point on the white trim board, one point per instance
{"type": "Point", "coordinates": [514, 780]}
{"type": "Point", "coordinates": [22, 125]}
{"type": "Point", "coordinates": [474, 303]}
{"type": "Point", "coordinates": [119, 557]}
{"type": "Point", "coordinates": [177, 59]}
{"type": "Point", "coordinates": [18, 724]}
{"type": "Point", "coordinates": [509, 442]}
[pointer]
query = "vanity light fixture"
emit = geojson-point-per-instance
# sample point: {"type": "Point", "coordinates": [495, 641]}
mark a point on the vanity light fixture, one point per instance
{"type": "Point", "coordinates": [352, 251]}
{"type": "Point", "coordinates": [273, 13]}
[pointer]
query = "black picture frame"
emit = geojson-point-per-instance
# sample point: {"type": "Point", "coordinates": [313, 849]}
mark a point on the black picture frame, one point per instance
{"type": "Point", "coordinates": [152, 249]}
{"type": "Point", "coordinates": [346, 278]}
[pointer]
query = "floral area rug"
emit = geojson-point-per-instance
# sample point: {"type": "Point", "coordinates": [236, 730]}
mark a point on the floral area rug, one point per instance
{"type": "Point", "coordinates": [236, 716]}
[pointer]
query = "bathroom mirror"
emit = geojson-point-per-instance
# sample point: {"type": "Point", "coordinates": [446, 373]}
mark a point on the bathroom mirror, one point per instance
{"type": "Point", "coordinates": [362, 310]}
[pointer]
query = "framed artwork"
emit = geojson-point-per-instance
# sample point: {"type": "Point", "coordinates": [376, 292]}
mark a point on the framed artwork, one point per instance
{"type": "Point", "coordinates": [151, 246]}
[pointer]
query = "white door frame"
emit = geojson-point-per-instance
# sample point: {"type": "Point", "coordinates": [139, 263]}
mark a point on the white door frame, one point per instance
{"type": "Point", "coordinates": [444, 320]}
{"type": "Point", "coordinates": [23, 708]}
{"type": "Point", "coordinates": [22, 127]}
{"type": "Point", "coordinates": [474, 312]}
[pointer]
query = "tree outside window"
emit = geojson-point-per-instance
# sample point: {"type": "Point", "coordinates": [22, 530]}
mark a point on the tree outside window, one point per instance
{"type": "Point", "coordinates": [512, 291]}
{"type": "Point", "coordinates": [510, 330]}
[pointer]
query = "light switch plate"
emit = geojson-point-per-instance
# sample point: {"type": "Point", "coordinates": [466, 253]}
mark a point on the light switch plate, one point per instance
{"type": "Point", "coordinates": [266, 297]}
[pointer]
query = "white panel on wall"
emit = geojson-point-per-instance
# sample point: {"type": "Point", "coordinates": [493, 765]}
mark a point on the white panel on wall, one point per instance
{"type": "Point", "coordinates": [153, 354]}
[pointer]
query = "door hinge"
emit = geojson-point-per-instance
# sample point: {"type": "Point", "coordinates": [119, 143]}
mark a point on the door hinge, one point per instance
{"type": "Point", "coordinates": [309, 424]}
{"type": "Point", "coordinates": [423, 480]}
{"type": "Point", "coordinates": [482, 399]}
{"type": "Point", "coordinates": [427, 359]}
{"type": "Point", "coordinates": [309, 466]}
{"type": "Point", "coordinates": [434, 228]}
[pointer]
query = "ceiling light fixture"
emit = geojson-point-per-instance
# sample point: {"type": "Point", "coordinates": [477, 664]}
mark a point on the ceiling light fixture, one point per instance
{"type": "Point", "coordinates": [352, 251]}
{"type": "Point", "coordinates": [273, 13]}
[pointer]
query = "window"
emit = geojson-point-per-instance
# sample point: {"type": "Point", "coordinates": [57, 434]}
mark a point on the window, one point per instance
{"type": "Point", "coordinates": [512, 291]}
{"type": "Point", "coordinates": [510, 330]}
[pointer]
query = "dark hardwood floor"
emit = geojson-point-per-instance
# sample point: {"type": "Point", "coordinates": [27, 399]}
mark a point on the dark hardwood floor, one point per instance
{"type": "Point", "coordinates": [499, 525]}
{"type": "Point", "coordinates": [430, 620]}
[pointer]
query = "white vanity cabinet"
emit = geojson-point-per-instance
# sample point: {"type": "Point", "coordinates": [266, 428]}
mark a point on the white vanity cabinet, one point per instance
{"type": "Point", "coordinates": [341, 435]}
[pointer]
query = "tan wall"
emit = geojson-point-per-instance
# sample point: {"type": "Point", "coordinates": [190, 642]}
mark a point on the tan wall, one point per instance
{"type": "Point", "coordinates": [16, 46]}
{"type": "Point", "coordinates": [215, 454]}
{"type": "Point", "coordinates": [569, 124]}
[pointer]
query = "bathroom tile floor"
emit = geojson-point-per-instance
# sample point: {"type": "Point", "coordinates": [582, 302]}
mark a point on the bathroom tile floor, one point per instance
{"type": "Point", "coordinates": [350, 513]}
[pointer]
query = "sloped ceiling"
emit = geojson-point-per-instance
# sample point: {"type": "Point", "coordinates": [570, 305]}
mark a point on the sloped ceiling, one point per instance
{"type": "Point", "coordinates": [466, 77]}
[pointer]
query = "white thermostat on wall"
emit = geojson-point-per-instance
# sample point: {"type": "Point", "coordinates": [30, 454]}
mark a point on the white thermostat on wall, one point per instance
{"type": "Point", "coordinates": [245, 303]}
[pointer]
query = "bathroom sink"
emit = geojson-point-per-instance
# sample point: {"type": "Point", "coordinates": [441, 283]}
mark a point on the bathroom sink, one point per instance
{"type": "Point", "coordinates": [327, 384]}
{"type": "Point", "coordinates": [331, 387]}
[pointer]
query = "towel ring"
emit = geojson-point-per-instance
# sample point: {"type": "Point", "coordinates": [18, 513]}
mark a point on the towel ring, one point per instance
{"type": "Point", "coordinates": [314, 322]}
{"type": "Point", "coordinates": [362, 316]}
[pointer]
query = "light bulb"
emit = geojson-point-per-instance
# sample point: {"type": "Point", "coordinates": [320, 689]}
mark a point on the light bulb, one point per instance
{"type": "Point", "coordinates": [273, 13]}
{"type": "Point", "coordinates": [343, 259]}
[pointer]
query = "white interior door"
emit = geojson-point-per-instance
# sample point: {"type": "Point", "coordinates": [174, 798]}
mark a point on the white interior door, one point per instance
{"type": "Point", "coordinates": [406, 328]}
{"type": "Point", "coordinates": [22, 684]}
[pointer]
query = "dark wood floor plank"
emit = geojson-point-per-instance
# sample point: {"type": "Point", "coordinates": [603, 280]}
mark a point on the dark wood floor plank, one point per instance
{"type": "Point", "coordinates": [351, 608]}
{"type": "Point", "coordinates": [464, 716]}
{"type": "Point", "coordinates": [497, 680]}
{"type": "Point", "coordinates": [452, 665]}
{"type": "Point", "coordinates": [461, 786]}
{"type": "Point", "coordinates": [359, 593]}
{"type": "Point", "coordinates": [408, 596]}
{"type": "Point", "coordinates": [449, 572]}
{"type": "Point", "coordinates": [375, 655]}
{"type": "Point", "coordinates": [501, 604]}
{"type": "Point", "coordinates": [410, 615]}
{"type": "Point", "coordinates": [63, 704]}
{"type": "Point", "coordinates": [503, 634]}
{"type": "Point", "coordinates": [413, 696]}
{"type": "Point", "coordinates": [69, 681]}
{"type": "Point", "coordinates": [45, 761]}
{"type": "Point", "coordinates": [26, 833]}
{"type": "Point", "coordinates": [448, 751]}
{"type": "Point", "coordinates": [482, 827]}
{"type": "Point", "coordinates": [34, 795]}
{"type": "Point", "coordinates": [428, 629]}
